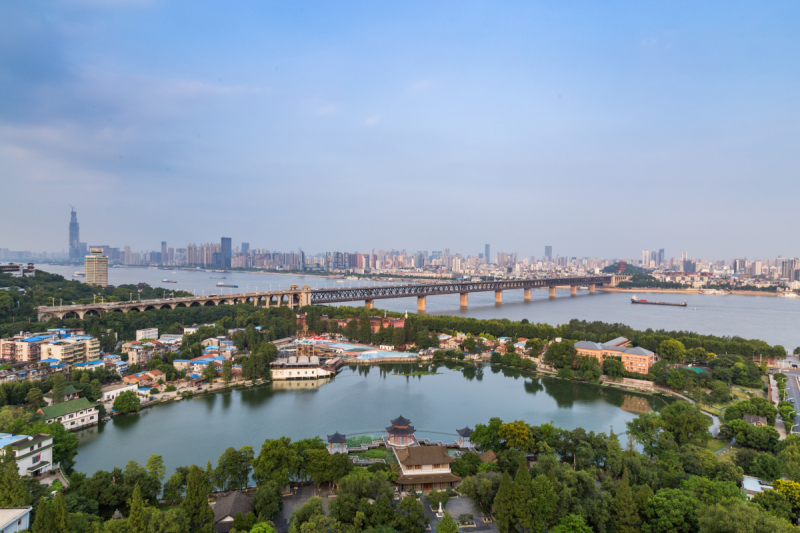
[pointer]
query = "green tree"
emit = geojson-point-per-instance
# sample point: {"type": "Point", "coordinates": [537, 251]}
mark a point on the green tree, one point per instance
{"type": "Point", "coordinates": [227, 371]}
{"type": "Point", "coordinates": [572, 523]}
{"type": "Point", "coordinates": [613, 367]}
{"type": "Point", "coordinates": [268, 499]}
{"type": "Point", "coordinates": [686, 423]}
{"type": "Point", "coordinates": [670, 511]}
{"type": "Point", "coordinates": [59, 384]}
{"type": "Point", "coordinates": [127, 402]}
{"type": "Point", "coordinates": [12, 488]}
{"type": "Point", "coordinates": [487, 437]}
{"type": "Point", "coordinates": [136, 521]}
{"type": "Point", "coordinates": [411, 518]}
{"type": "Point", "coordinates": [195, 503]}
{"type": "Point", "coordinates": [646, 430]}
{"type": "Point", "coordinates": [447, 524]}
{"type": "Point", "coordinates": [60, 514]}
{"type": "Point", "coordinates": [624, 516]}
{"type": "Point", "coordinates": [44, 522]}
{"type": "Point", "coordinates": [276, 459]}
{"type": "Point", "coordinates": [503, 505]}
{"type": "Point", "coordinates": [155, 466]}
{"type": "Point", "coordinates": [95, 390]}
{"type": "Point", "coordinates": [613, 463]}
{"type": "Point", "coordinates": [233, 468]}
{"type": "Point", "coordinates": [775, 504]}
{"type": "Point", "coordinates": [672, 351]}
{"type": "Point", "coordinates": [35, 397]}
{"type": "Point", "coordinates": [210, 372]}
{"type": "Point", "coordinates": [736, 516]}
{"type": "Point", "coordinates": [521, 496]}
{"type": "Point", "coordinates": [543, 503]}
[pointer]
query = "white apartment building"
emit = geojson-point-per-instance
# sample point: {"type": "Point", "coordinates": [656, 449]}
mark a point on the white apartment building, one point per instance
{"type": "Point", "coordinates": [34, 454]}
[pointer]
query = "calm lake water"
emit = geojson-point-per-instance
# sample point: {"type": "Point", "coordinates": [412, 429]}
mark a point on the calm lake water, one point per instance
{"type": "Point", "coordinates": [359, 399]}
{"type": "Point", "coordinates": [768, 318]}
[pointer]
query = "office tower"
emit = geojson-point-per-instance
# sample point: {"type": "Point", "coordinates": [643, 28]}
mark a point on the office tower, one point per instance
{"type": "Point", "coordinates": [548, 253]}
{"type": "Point", "coordinates": [74, 237]}
{"type": "Point", "coordinates": [225, 252]}
{"type": "Point", "coordinates": [96, 268]}
{"type": "Point", "coordinates": [163, 251]}
{"type": "Point", "coordinates": [486, 254]}
{"type": "Point", "coordinates": [645, 258]}
{"type": "Point", "coordinates": [245, 247]}
{"type": "Point", "coordinates": [660, 256]}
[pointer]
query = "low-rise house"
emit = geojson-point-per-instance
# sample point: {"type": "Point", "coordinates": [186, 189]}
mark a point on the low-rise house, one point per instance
{"type": "Point", "coordinates": [181, 364]}
{"type": "Point", "coordinates": [13, 519]}
{"type": "Point", "coordinates": [636, 359]}
{"type": "Point", "coordinates": [92, 365]}
{"type": "Point", "coordinates": [111, 392]}
{"type": "Point", "coordinates": [142, 379]}
{"type": "Point", "coordinates": [755, 420]}
{"type": "Point", "coordinates": [156, 375]}
{"type": "Point", "coordinates": [752, 486]}
{"type": "Point", "coordinates": [425, 468]}
{"type": "Point", "coordinates": [34, 454]}
{"type": "Point", "coordinates": [73, 414]}
{"type": "Point", "coordinates": [226, 508]}
{"type": "Point", "coordinates": [302, 367]}
{"type": "Point", "coordinates": [70, 393]}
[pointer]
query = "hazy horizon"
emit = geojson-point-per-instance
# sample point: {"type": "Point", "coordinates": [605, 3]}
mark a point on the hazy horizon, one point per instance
{"type": "Point", "coordinates": [600, 129]}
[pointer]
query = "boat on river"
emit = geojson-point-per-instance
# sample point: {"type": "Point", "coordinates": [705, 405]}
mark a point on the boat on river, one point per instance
{"type": "Point", "coordinates": [168, 281]}
{"type": "Point", "coordinates": [220, 284]}
{"type": "Point", "coordinates": [635, 300]}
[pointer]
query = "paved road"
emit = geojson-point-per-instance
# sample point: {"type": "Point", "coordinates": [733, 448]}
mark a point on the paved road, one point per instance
{"type": "Point", "coordinates": [793, 388]}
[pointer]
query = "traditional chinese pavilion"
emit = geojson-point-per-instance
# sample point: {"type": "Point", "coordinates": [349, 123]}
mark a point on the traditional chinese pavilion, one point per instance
{"type": "Point", "coordinates": [463, 437]}
{"type": "Point", "coordinates": [401, 433]}
{"type": "Point", "coordinates": [336, 443]}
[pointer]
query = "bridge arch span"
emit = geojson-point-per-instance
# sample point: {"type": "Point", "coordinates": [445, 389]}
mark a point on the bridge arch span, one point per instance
{"type": "Point", "coordinates": [209, 303]}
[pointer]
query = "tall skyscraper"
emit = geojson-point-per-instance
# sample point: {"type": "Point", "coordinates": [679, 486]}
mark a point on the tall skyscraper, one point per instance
{"type": "Point", "coordinates": [486, 255]}
{"type": "Point", "coordinates": [645, 258]}
{"type": "Point", "coordinates": [74, 237]}
{"type": "Point", "coordinates": [548, 253]}
{"type": "Point", "coordinates": [245, 247]}
{"type": "Point", "coordinates": [163, 251]}
{"type": "Point", "coordinates": [660, 256]}
{"type": "Point", "coordinates": [96, 268]}
{"type": "Point", "coordinates": [225, 252]}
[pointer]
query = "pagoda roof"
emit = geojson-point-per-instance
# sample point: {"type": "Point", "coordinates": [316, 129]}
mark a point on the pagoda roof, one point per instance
{"type": "Point", "coordinates": [394, 430]}
{"type": "Point", "coordinates": [401, 421]}
{"type": "Point", "coordinates": [337, 438]}
{"type": "Point", "coordinates": [466, 432]}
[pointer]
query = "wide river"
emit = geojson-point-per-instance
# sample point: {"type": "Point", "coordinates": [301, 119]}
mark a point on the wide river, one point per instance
{"type": "Point", "coordinates": [769, 318]}
{"type": "Point", "coordinates": [360, 399]}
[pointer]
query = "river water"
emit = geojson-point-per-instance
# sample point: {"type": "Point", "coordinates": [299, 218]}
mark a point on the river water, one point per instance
{"type": "Point", "coordinates": [360, 399]}
{"type": "Point", "coordinates": [771, 319]}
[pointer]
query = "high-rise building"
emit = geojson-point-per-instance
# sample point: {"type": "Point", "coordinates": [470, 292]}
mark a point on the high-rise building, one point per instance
{"type": "Point", "coordinates": [96, 268]}
{"type": "Point", "coordinates": [660, 257]}
{"type": "Point", "coordinates": [645, 258]}
{"type": "Point", "coordinates": [486, 254]}
{"type": "Point", "coordinates": [245, 247]}
{"type": "Point", "coordinates": [225, 252]}
{"type": "Point", "coordinates": [74, 237]}
{"type": "Point", "coordinates": [163, 251]}
{"type": "Point", "coordinates": [548, 253]}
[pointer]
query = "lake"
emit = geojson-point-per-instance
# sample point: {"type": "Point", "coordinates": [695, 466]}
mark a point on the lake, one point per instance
{"type": "Point", "coordinates": [360, 399]}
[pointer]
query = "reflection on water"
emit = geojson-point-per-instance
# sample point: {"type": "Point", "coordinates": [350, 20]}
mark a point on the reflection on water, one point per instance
{"type": "Point", "coordinates": [358, 398]}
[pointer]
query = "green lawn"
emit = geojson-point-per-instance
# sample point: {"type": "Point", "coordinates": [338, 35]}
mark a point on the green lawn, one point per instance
{"type": "Point", "coordinates": [716, 445]}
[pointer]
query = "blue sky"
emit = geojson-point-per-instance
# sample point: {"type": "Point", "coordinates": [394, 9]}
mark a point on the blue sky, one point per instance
{"type": "Point", "coordinates": [601, 129]}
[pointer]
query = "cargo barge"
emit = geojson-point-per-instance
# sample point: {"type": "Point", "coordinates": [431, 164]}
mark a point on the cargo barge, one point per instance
{"type": "Point", "coordinates": [635, 300]}
{"type": "Point", "coordinates": [220, 284]}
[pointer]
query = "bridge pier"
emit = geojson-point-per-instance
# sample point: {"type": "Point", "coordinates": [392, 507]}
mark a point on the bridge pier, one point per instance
{"type": "Point", "coordinates": [464, 299]}
{"type": "Point", "coordinates": [498, 297]}
{"type": "Point", "coordinates": [369, 304]}
{"type": "Point", "coordinates": [552, 292]}
{"type": "Point", "coordinates": [420, 304]}
{"type": "Point", "coordinates": [527, 295]}
{"type": "Point", "coordinates": [573, 290]}
{"type": "Point", "coordinates": [591, 288]}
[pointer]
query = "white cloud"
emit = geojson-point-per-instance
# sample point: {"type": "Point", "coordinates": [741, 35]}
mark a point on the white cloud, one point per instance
{"type": "Point", "coordinates": [420, 86]}
{"type": "Point", "coordinates": [371, 121]}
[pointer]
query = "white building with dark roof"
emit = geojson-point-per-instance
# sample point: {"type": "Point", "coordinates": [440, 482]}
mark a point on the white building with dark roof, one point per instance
{"type": "Point", "coordinates": [302, 367]}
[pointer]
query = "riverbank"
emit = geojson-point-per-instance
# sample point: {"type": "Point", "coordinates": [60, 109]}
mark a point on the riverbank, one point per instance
{"type": "Point", "coordinates": [688, 291]}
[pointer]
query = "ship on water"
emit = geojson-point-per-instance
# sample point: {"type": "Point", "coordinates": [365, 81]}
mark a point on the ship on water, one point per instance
{"type": "Point", "coordinates": [635, 300]}
{"type": "Point", "coordinates": [220, 284]}
{"type": "Point", "coordinates": [168, 281]}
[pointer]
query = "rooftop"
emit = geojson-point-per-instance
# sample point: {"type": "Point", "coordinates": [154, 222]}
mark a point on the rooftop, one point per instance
{"type": "Point", "coordinates": [65, 408]}
{"type": "Point", "coordinates": [423, 455]}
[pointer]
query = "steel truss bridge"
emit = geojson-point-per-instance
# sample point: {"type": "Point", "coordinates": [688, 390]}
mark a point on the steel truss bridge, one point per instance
{"type": "Point", "coordinates": [296, 297]}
